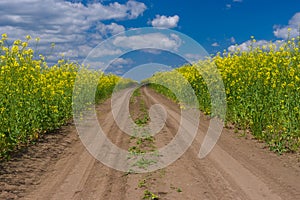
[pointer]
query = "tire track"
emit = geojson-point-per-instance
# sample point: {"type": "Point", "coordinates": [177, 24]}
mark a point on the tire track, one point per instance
{"type": "Point", "coordinates": [236, 168]}
{"type": "Point", "coordinates": [231, 171]}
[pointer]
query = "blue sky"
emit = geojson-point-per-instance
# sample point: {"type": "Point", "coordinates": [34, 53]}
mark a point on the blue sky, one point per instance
{"type": "Point", "coordinates": [217, 24]}
{"type": "Point", "coordinates": [77, 26]}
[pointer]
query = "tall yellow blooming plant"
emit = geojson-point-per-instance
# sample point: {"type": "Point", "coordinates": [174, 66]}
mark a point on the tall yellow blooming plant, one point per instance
{"type": "Point", "coordinates": [262, 90]}
{"type": "Point", "coordinates": [35, 98]}
{"type": "Point", "coordinates": [262, 87]}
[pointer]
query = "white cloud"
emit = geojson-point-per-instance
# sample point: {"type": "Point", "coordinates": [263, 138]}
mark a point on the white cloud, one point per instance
{"type": "Point", "coordinates": [119, 64]}
{"type": "Point", "coordinates": [152, 51]}
{"type": "Point", "coordinates": [292, 29]}
{"type": "Point", "coordinates": [283, 32]}
{"type": "Point", "coordinates": [112, 28]}
{"type": "Point", "coordinates": [74, 27]}
{"type": "Point", "coordinates": [247, 45]}
{"type": "Point", "coordinates": [228, 6]}
{"type": "Point", "coordinates": [151, 40]}
{"type": "Point", "coordinates": [215, 44]}
{"type": "Point", "coordinates": [135, 8]}
{"type": "Point", "coordinates": [232, 40]}
{"type": "Point", "coordinates": [105, 52]}
{"type": "Point", "coordinates": [119, 72]}
{"type": "Point", "coordinates": [122, 61]}
{"type": "Point", "coordinates": [194, 57]}
{"type": "Point", "coordinates": [165, 22]}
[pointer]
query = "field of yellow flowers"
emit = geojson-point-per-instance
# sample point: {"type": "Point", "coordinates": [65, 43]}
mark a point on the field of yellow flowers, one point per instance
{"type": "Point", "coordinates": [262, 91]}
{"type": "Point", "coordinates": [36, 98]}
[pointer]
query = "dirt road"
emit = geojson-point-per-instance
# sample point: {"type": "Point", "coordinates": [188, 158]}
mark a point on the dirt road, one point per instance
{"type": "Point", "coordinates": [60, 167]}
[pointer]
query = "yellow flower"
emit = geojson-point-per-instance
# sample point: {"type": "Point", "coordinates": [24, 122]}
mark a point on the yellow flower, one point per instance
{"type": "Point", "coordinates": [4, 36]}
{"type": "Point", "coordinates": [15, 49]}
{"type": "Point", "coordinates": [24, 44]}
{"type": "Point", "coordinates": [28, 37]}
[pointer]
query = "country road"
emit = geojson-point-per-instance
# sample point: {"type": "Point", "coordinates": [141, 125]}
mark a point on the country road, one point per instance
{"type": "Point", "coordinates": [238, 167]}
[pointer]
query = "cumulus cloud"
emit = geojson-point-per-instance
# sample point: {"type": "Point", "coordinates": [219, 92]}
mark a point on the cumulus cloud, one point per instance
{"type": "Point", "coordinates": [152, 51]}
{"type": "Point", "coordinates": [104, 52]}
{"type": "Point", "coordinates": [194, 57]}
{"type": "Point", "coordinates": [282, 32]}
{"type": "Point", "coordinates": [74, 27]}
{"type": "Point", "coordinates": [118, 65]}
{"type": "Point", "coordinates": [135, 8]}
{"type": "Point", "coordinates": [52, 14]}
{"type": "Point", "coordinates": [165, 22]}
{"type": "Point", "coordinates": [107, 54]}
{"type": "Point", "coordinates": [150, 40]}
{"type": "Point", "coordinates": [215, 44]}
{"type": "Point", "coordinates": [107, 29]}
{"type": "Point", "coordinates": [122, 61]}
{"type": "Point", "coordinates": [228, 6]}
{"type": "Point", "coordinates": [291, 30]}
{"type": "Point", "coordinates": [247, 45]}
{"type": "Point", "coordinates": [232, 40]}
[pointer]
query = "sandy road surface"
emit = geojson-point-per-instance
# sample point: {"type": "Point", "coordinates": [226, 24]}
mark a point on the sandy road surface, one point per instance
{"type": "Point", "coordinates": [237, 168]}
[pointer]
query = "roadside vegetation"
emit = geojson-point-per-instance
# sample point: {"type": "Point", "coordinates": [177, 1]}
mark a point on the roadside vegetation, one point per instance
{"type": "Point", "coordinates": [262, 88]}
{"type": "Point", "coordinates": [36, 98]}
